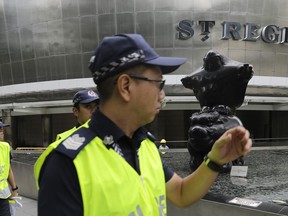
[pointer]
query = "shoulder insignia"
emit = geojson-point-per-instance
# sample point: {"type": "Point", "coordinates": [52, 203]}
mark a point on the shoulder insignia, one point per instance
{"type": "Point", "coordinates": [73, 144]}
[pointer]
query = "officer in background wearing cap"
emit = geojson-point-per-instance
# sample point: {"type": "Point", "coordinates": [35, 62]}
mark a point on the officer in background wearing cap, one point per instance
{"type": "Point", "coordinates": [112, 166]}
{"type": "Point", "coordinates": [84, 104]}
{"type": "Point", "coordinates": [163, 147]}
{"type": "Point", "coordinates": [6, 174]}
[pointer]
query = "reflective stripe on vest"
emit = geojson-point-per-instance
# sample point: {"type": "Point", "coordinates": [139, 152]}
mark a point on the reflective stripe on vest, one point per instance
{"type": "Point", "coordinates": [4, 170]}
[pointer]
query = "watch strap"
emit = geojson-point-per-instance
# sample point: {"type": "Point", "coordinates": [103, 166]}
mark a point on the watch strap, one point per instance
{"type": "Point", "coordinates": [212, 165]}
{"type": "Point", "coordinates": [14, 189]}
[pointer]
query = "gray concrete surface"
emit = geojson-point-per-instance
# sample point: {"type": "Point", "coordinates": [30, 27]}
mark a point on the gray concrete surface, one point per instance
{"type": "Point", "coordinates": [201, 208]}
{"type": "Point", "coordinates": [29, 207]}
{"type": "Point", "coordinates": [25, 179]}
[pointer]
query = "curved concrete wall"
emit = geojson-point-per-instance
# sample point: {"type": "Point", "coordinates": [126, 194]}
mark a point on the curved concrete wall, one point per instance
{"type": "Point", "coordinates": [24, 176]}
{"type": "Point", "coordinates": [45, 46]}
{"type": "Point", "coordinates": [43, 40]}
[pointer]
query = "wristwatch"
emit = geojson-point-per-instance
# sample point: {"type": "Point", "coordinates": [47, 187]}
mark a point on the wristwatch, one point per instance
{"type": "Point", "coordinates": [14, 189]}
{"type": "Point", "coordinates": [212, 165]}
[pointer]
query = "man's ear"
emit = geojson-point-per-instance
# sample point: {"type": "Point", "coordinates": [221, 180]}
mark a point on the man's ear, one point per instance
{"type": "Point", "coordinates": [75, 111]}
{"type": "Point", "coordinates": [124, 86]}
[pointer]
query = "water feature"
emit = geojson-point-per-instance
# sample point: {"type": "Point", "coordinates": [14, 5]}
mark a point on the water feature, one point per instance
{"type": "Point", "coordinates": [267, 178]}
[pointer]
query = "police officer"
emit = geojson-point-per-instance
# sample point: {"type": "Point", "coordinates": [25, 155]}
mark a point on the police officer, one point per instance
{"type": "Point", "coordinates": [84, 104]}
{"type": "Point", "coordinates": [112, 165]}
{"type": "Point", "coordinates": [6, 175]}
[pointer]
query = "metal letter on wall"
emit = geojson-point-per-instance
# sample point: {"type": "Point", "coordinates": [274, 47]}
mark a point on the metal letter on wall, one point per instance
{"type": "Point", "coordinates": [205, 28]}
{"type": "Point", "coordinates": [284, 35]}
{"type": "Point", "coordinates": [185, 30]}
{"type": "Point", "coordinates": [231, 29]}
{"type": "Point", "coordinates": [270, 34]}
{"type": "Point", "coordinates": [250, 32]}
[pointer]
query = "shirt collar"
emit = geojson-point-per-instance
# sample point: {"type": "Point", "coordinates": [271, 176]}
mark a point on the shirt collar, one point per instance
{"type": "Point", "coordinates": [103, 126]}
{"type": "Point", "coordinates": [78, 125]}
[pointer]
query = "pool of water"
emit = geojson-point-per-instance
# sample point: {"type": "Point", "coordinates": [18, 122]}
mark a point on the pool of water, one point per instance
{"type": "Point", "coordinates": [267, 178]}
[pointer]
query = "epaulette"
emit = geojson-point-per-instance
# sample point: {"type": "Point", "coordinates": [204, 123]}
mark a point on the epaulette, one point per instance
{"type": "Point", "coordinates": [151, 137]}
{"type": "Point", "coordinates": [73, 144]}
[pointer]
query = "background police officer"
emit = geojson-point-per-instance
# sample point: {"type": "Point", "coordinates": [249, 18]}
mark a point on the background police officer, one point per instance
{"type": "Point", "coordinates": [84, 104]}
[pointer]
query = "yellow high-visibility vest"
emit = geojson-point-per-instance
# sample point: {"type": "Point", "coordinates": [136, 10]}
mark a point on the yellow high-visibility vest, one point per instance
{"type": "Point", "coordinates": [51, 147]}
{"type": "Point", "coordinates": [4, 170]}
{"type": "Point", "coordinates": [65, 133]}
{"type": "Point", "coordinates": [109, 185]}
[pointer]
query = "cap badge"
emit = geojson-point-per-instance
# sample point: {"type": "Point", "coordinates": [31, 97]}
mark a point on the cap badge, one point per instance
{"type": "Point", "coordinates": [108, 140]}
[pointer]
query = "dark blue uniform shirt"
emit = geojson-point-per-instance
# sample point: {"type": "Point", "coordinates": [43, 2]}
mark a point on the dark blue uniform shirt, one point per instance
{"type": "Point", "coordinates": [60, 193]}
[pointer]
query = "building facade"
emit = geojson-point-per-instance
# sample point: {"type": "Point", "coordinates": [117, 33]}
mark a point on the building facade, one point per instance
{"type": "Point", "coordinates": [45, 46]}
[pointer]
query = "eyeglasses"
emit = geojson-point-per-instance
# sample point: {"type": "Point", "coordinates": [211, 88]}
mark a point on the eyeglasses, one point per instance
{"type": "Point", "coordinates": [160, 82]}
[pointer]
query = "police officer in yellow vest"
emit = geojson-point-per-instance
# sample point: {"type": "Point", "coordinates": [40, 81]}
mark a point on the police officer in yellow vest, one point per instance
{"type": "Point", "coordinates": [85, 103]}
{"type": "Point", "coordinates": [6, 175]}
{"type": "Point", "coordinates": [111, 165]}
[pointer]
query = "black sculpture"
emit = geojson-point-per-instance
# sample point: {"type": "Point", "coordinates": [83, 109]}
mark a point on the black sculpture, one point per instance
{"type": "Point", "coordinates": [220, 86]}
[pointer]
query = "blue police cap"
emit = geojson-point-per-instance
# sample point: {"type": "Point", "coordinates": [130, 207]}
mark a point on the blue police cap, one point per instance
{"type": "Point", "coordinates": [119, 52]}
{"type": "Point", "coordinates": [3, 124]}
{"type": "Point", "coordinates": [85, 96]}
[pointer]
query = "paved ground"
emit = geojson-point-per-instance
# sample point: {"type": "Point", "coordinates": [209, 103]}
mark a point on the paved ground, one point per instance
{"type": "Point", "coordinates": [29, 207]}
